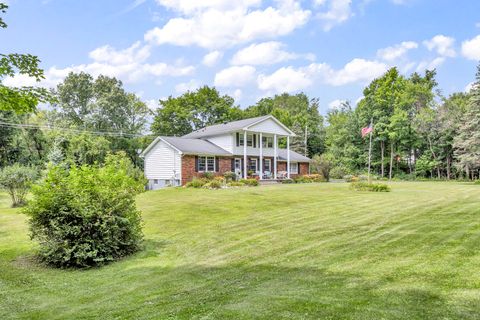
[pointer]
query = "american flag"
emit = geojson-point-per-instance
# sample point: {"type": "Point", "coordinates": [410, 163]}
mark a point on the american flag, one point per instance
{"type": "Point", "coordinates": [367, 130]}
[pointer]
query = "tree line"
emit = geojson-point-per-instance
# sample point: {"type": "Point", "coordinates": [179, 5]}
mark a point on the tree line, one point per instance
{"type": "Point", "coordinates": [417, 131]}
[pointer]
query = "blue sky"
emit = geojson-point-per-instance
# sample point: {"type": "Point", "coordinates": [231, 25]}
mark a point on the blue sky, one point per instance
{"type": "Point", "coordinates": [249, 49]}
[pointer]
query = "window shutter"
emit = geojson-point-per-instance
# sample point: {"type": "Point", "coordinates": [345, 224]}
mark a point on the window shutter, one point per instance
{"type": "Point", "coordinates": [238, 139]}
{"type": "Point", "coordinates": [254, 140]}
{"type": "Point", "coordinates": [217, 169]}
{"type": "Point", "coordinates": [258, 164]}
{"type": "Point", "coordinates": [233, 165]}
{"type": "Point", "coordinates": [196, 163]}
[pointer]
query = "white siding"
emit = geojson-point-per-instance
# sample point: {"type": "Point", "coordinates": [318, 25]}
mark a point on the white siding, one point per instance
{"type": "Point", "coordinates": [161, 161]}
{"type": "Point", "coordinates": [224, 141]}
{"type": "Point", "coordinates": [251, 151]}
{"type": "Point", "coordinates": [269, 126]}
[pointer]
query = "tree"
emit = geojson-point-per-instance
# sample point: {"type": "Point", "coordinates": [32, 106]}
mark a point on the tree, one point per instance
{"type": "Point", "coordinates": [323, 164]}
{"type": "Point", "coordinates": [20, 99]}
{"type": "Point", "coordinates": [194, 110]}
{"type": "Point", "coordinates": [450, 115]}
{"type": "Point", "coordinates": [467, 142]}
{"type": "Point", "coordinates": [86, 216]}
{"type": "Point", "coordinates": [299, 113]}
{"type": "Point", "coordinates": [17, 180]}
{"type": "Point", "coordinates": [99, 104]}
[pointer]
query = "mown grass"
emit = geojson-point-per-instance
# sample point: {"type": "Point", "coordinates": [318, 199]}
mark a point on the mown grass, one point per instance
{"type": "Point", "coordinates": [312, 251]}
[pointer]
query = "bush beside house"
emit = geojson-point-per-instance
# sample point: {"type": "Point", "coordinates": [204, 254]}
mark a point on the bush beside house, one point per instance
{"type": "Point", "coordinates": [86, 216]}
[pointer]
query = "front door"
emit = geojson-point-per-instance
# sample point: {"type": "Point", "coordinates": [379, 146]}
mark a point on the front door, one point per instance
{"type": "Point", "coordinates": [238, 167]}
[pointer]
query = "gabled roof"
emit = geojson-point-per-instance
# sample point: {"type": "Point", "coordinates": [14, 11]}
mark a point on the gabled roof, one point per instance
{"type": "Point", "coordinates": [294, 156]}
{"type": "Point", "coordinates": [189, 146]}
{"type": "Point", "coordinates": [232, 127]}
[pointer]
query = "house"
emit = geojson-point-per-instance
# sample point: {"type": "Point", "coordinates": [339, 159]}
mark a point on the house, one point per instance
{"type": "Point", "coordinates": [246, 147]}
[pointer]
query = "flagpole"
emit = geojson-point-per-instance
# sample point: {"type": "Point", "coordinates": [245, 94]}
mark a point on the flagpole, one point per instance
{"type": "Point", "coordinates": [370, 151]}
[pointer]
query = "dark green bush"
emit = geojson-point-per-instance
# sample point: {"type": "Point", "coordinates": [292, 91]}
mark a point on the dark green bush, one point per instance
{"type": "Point", "coordinates": [250, 182]}
{"type": "Point", "coordinates": [374, 187]}
{"type": "Point", "coordinates": [17, 180]}
{"type": "Point", "coordinates": [288, 181]}
{"type": "Point", "coordinates": [208, 175]}
{"type": "Point", "coordinates": [196, 183]}
{"type": "Point", "coordinates": [477, 181]}
{"type": "Point", "coordinates": [86, 216]}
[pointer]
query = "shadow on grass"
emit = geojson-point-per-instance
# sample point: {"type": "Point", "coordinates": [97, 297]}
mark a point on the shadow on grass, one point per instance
{"type": "Point", "coordinates": [244, 292]}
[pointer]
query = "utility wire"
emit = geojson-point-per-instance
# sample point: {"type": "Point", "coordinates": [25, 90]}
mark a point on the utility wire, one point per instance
{"type": "Point", "coordinates": [50, 127]}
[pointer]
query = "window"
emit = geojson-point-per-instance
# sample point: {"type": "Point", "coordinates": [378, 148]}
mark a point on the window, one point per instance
{"type": "Point", "coordinates": [293, 167]}
{"type": "Point", "coordinates": [240, 139]}
{"type": "Point", "coordinates": [267, 142]}
{"type": "Point", "coordinates": [210, 163]}
{"type": "Point", "coordinates": [155, 181]}
{"type": "Point", "coordinates": [250, 140]}
{"type": "Point", "coordinates": [206, 164]}
{"type": "Point", "coordinates": [252, 165]}
{"type": "Point", "coordinates": [267, 165]}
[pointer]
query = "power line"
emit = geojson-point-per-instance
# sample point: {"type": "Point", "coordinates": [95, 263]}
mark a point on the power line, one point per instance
{"type": "Point", "coordinates": [51, 127]}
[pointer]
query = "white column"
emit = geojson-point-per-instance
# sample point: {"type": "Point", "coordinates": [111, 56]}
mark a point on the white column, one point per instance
{"type": "Point", "coordinates": [245, 164]}
{"type": "Point", "coordinates": [261, 157]}
{"type": "Point", "coordinates": [275, 156]}
{"type": "Point", "coordinates": [288, 157]}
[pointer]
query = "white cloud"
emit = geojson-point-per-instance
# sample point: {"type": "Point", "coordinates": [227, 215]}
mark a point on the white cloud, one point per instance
{"type": "Point", "coordinates": [285, 79]}
{"type": "Point", "coordinates": [133, 54]}
{"type": "Point", "coordinates": [235, 76]}
{"type": "Point", "coordinates": [211, 58]}
{"type": "Point", "coordinates": [397, 51]}
{"type": "Point", "coordinates": [471, 48]}
{"type": "Point", "coordinates": [270, 52]}
{"type": "Point", "coordinates": [237, 94]}
{"type": "Point", "coordinates": [357, 70]}
{"type": "Point", "coordinates": [290, 79]}
{"type": "Point", "coordinates": [183, 87]}
{"type": "Point", "coordinates": [430, 64]}
{"type": "Point", "coordinates": [469, 87]}
{"type": "Point", "coordinates": [191, 6]}
{"type": "Point", "coordinates": [443, 45]}
{"type": "Point", "coordinates": [336, 104]}
{"type": "Point", "coordinates": [214, 28]}
{"type": "Point", "coordinates": [338, 12]}
{"type": "Point", "coordinates": [128, 65]}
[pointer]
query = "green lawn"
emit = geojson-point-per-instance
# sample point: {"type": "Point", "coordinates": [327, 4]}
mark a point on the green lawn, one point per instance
{"type": "Point", "coordinates": [275, 252]}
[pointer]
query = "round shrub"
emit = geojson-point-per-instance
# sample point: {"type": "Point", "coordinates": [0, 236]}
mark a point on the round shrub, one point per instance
{"type": "Point", "coordinates": [230, 176]}
{"type": "Point", "coordinates": [373, 187]}
{"type": "Point", "coordinates": [196, 183]}
{"type": "Point", "coordinates": [17, 180]}
{"type": "Point", "coordinates": [213, 184]}
{"type": "Point", "coordinates": [208, 175]}
{"type": "Point", "coordinates": [86, 216]}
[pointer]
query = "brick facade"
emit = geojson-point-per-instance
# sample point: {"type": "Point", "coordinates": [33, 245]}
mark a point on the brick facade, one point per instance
{"type": "Point", "coordinates": [188, 167]}
{"type": "Point", "coordinates": [225, 164]}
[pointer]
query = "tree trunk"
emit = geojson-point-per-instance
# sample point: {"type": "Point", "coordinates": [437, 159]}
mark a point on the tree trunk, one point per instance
{"type": "Point", "coordinates": [391, 161]}
{"type": "Point", "coordinates": [448, 167]}
{"type": "Point", "coordinates": [382, 148]}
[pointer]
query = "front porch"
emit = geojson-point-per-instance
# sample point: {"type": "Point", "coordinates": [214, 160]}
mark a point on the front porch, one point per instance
{"type": "Point", "coordinates": [257, 156]}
